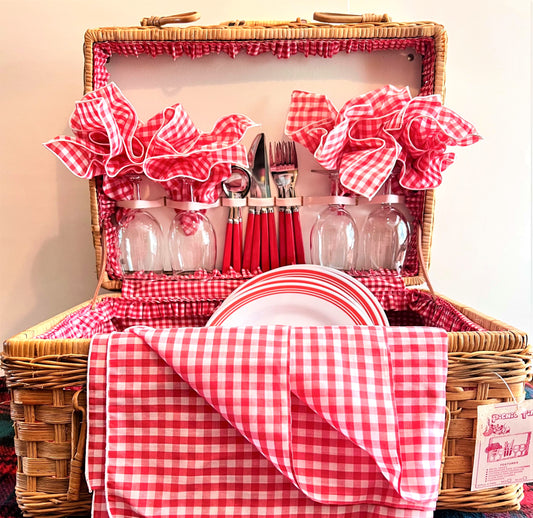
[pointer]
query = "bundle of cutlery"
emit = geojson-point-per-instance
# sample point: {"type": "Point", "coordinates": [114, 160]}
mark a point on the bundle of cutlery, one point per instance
{"type": "Point", "coordinates": [284, 171]}
{"type": "Point", "coordinates": [260, 244]}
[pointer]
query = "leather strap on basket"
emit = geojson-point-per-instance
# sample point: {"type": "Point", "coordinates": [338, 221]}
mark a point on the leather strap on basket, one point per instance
{"type": "Point", "coordinates": [101, 274]}
{"type": "Point", "coordinates": [156, 21]}
{"type": "Point", "coordinates": [79, 434]}
{"type": "Point", "coordinates": [444, 444]}
{"type": "Point", "coordinates": [350, 18]}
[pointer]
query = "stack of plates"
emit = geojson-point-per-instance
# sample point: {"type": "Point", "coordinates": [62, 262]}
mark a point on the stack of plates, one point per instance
{"type": "Point", "coordinates": [301, 295]}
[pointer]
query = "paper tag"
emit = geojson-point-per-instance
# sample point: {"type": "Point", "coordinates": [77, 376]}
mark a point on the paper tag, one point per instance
{"type": "Point", "coordinates": [503, 452]}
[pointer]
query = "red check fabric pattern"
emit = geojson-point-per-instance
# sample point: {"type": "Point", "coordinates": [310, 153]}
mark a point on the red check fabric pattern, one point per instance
{"type": "Point", "coordinates": [190, 302]}
{"type": "Point", "coordinates": [110, 140]}
{"type": "Point", "coordinates": [267, 420]}
{"type": "Point", "coordinates": [371, 133]}
{"type": "Point", "coordinates": [282, 49]}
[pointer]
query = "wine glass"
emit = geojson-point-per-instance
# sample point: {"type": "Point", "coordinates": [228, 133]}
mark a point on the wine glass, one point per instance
{"type": "Point", "coordinates": [192, 239]}
{"type": "Point", "coordinates": [140, 238]}
{"type": "Point", "coordinates": [386, 233]}
{"type": "Point", "coordinates": [334, 235]}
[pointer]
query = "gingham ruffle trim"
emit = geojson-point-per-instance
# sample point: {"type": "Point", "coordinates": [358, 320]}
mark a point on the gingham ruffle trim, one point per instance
{"type": "Point", "coordinates": [282, 49]}
{"type": "Point", "coordinates": [192, 302]}
{"type": "Point", "coordinates": [114, 314]}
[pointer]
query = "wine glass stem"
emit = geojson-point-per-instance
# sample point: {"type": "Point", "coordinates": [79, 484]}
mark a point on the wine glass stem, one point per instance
{"type": "Point", "coordinates": [136, 181]}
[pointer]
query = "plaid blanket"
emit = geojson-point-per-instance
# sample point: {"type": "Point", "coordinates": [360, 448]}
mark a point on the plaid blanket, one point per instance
{"type": "Point", "coordinates": [8, 464]}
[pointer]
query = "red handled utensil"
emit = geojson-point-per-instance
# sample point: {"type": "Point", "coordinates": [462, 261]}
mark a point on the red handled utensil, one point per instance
{"type": "Point", "coordinates": [248, 238]}
{"type": "Point", "coordinates": [298, 238]}
{"type": "Point", "coordinates": [284, 171]}
{"type": "Point", "coordinates": [235, 187]}
{"type": "Point", "coordinates": [261, 238]}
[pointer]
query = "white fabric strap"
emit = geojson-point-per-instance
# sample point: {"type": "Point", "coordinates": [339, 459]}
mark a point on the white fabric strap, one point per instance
{"type": "Point", "coordinates": [234, 202]}
{"type": "Point", "coordinates": [191, 205]}
{"type": "Point", "coordinates": [141, 204]}
{"type": "Point", "coordinates": [289, 202]}
{"type": "Point", "coordinates": [260, 202]}
{"type": "Point", "coordinates": [329, 200]}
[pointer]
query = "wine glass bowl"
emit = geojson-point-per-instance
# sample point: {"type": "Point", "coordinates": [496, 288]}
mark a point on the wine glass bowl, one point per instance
{"type": "Point", "coordinates": [191, 238]}
{"type": "Point", "coordinates": [192, 242]}
{"type": "Point", "coordinates": [386, 235]}
{"type": "Point", "coordinates": [140, 238]}
{"type": "Point", "coordinates": [334, 236]}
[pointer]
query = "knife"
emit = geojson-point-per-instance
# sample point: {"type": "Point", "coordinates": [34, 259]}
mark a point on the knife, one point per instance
{"type": "Point", "coordinates": [260, 247]}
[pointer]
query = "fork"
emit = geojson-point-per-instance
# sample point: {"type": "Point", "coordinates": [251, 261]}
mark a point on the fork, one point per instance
{"type": "Point", "coordinates": [284, 171]}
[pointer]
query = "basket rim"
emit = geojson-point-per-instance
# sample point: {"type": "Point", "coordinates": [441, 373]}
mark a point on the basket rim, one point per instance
{"type": "Point", "coordinates": [265, 30]}
{"type": "Point", "coordinates": [498, 337]}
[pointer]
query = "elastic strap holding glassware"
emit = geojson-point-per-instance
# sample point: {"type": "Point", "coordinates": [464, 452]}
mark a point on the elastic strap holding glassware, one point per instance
{"type": "Point", "coordinates": [166, 202]}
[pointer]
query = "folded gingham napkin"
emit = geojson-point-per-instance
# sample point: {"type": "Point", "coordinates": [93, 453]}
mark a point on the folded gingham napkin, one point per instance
{"type": "Point", "coordinates": [110, 140]}
{"type": "Point", "coordinates": [272, 420]}
{"type": "Point", "coordinates": [179, 150]}
{"type": "Point", "coordinates": [376, 132]}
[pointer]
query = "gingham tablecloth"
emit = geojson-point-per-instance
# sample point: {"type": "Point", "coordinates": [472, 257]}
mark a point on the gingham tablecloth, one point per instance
{"type": "Point", "coordinates": [266, 421]}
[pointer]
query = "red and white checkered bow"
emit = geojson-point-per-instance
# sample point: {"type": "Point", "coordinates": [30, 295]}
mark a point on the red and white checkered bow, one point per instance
{"type": "Point", "coordinates": [190, 164]}
{"type": "Point", "coordinates": [179, 150]}
{"type": "Point", "coordinates": [372, 132]}
{"type": "Point", "coordinates": [110, 140]}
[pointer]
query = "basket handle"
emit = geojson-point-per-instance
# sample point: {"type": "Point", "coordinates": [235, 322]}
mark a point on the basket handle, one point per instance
{"type": "Point", "coordinates": [350, 18]}
{"type": "Point", "coordinates": [157, 21]}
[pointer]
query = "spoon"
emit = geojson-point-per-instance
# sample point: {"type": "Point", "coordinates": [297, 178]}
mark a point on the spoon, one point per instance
{"type": "Point", "coordinates": [234, 187]}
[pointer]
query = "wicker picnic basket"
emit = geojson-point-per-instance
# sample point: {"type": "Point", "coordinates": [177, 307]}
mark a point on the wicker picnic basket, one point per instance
{"type": "Point", "coordinates": [489, 361]}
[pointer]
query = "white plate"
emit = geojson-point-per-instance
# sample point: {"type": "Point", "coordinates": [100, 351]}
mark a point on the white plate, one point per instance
{"type": "Point", "coordinates": [333, 279]}
{"type": "Point", "coordinates": [289, 303]}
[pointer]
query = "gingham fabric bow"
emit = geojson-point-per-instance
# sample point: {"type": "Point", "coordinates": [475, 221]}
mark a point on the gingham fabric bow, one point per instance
{"type": "Point", "coordinates": [190, 164]}
{"type": "Point", "coordinates": [266, 420]}
{"type": "Point", "coordinates": [373, 132]}
{"type": "Point", "coordinates": [179, 150]}
{"type": "Point", "coordinates": [110, 140]}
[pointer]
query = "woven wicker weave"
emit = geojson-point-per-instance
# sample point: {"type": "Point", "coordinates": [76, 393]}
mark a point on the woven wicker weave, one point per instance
{"type": "Point", "coordinates": [484, 367]}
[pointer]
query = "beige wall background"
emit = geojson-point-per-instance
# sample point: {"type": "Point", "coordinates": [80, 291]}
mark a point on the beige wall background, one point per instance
{"type": "Point", "coordinates": [482, 240]}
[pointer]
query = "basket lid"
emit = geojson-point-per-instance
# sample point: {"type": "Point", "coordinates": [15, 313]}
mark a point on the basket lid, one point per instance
{"type": "Point", "coordinates": [285, 40]}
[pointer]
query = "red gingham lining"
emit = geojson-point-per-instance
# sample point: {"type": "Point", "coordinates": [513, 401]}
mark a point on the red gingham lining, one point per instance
{"type": "Point", "coordinates": [201, 287]}
{"type": "Point", "coordinates": [326, 48]}
{"type": "Point", "coordinates": [142, 391]}
{"type": "Point", "coordinates": [116, 314]}
{"type": "Point", "coordinates": [180, 303]}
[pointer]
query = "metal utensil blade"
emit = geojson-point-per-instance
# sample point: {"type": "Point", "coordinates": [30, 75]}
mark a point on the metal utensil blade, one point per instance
{"type": "Point", "coordinates": [260, 167]}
